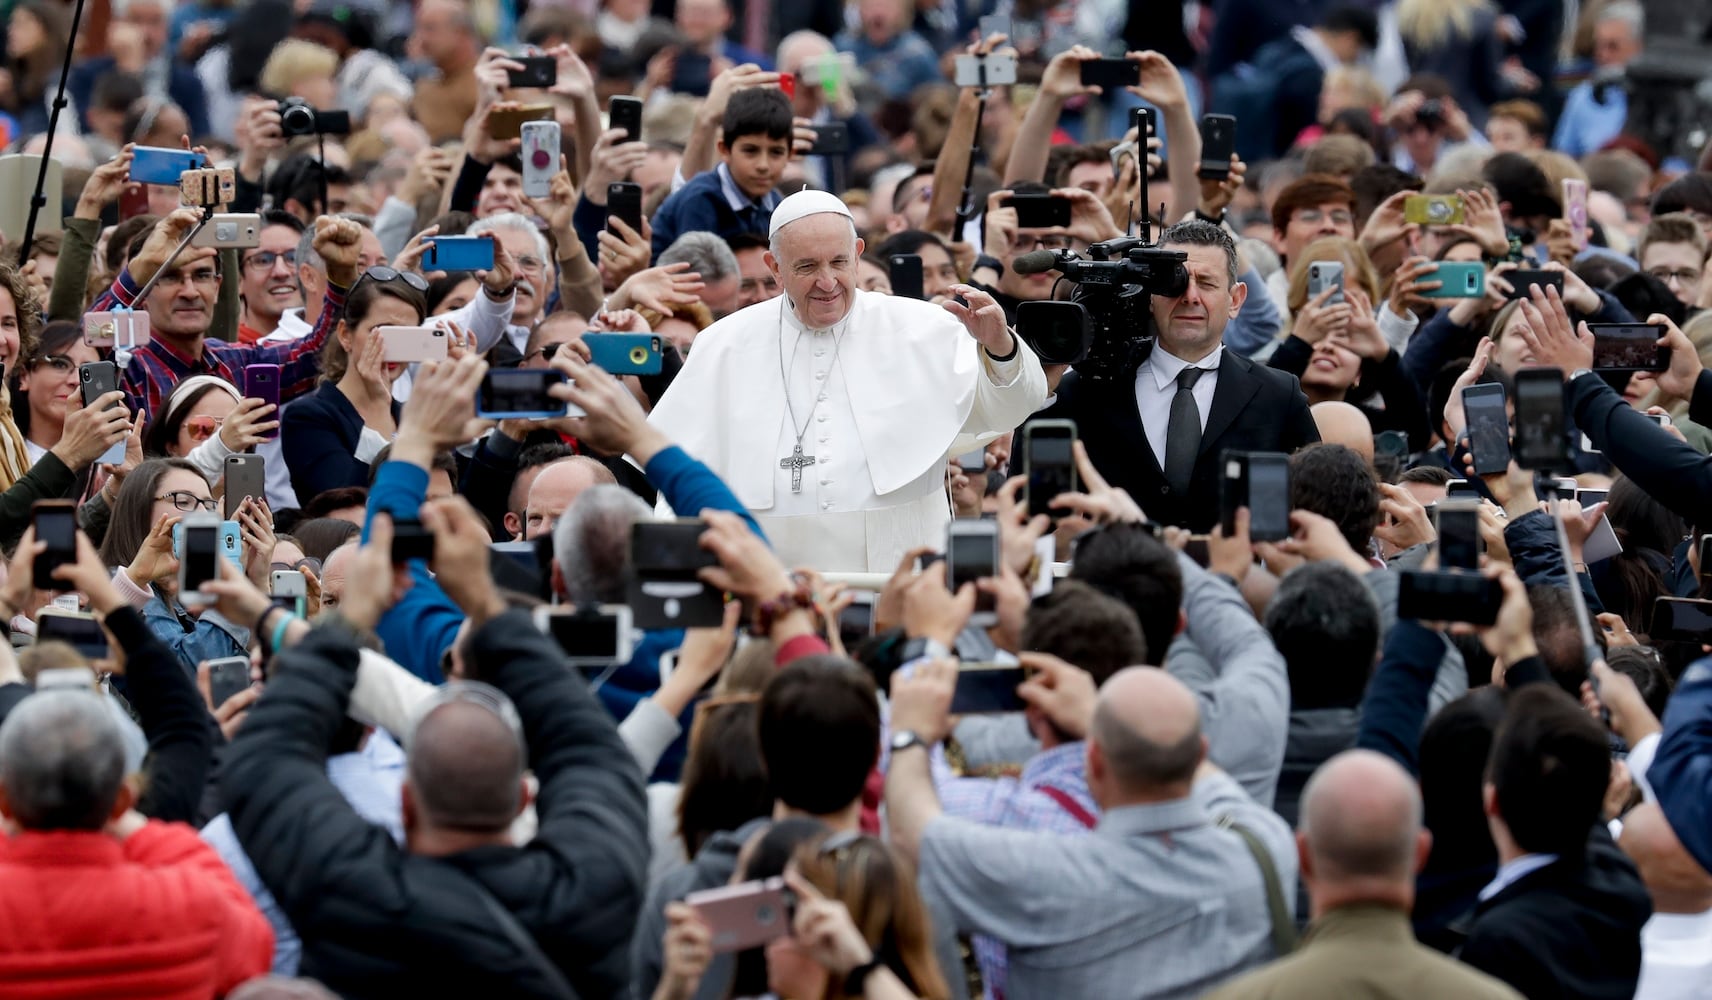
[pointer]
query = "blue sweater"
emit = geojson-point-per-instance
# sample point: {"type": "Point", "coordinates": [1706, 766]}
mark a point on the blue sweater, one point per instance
{"type": "Point", "coordinates": [1681, 774]}
{"type": "Point", "coordinates": [423, 624]}
{"type": "Point", "coordinates": [700, 206]}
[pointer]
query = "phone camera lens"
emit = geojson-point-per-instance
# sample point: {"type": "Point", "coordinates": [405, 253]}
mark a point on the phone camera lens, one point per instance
{"type": "Point", "coordinates": [638, 355]}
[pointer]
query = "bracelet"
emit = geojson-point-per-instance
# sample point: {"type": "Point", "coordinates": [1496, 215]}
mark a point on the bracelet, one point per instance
{"type": "Point", "coordinates": [1217, 220]}
{"type": "Point", "coordinates": [768, 612]}
{"type": "Point", "coordinates": [285, 621]}
{"type": "Point", "coordinates": [260, 628]}
{"type": "Point", "coordinates": [988, 261]}
{"type": "Point", "coordinates": [856, 980]}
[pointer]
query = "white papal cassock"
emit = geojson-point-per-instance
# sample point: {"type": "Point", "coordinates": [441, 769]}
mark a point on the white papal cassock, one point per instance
{"type": "Point", "coordinates": [881, 399]}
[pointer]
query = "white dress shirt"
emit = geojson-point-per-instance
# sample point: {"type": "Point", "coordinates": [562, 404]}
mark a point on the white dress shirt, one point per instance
{"type": "Point", "coordinates": [1156, 386]}
{"type": "Point", "coordinates": [1514, 871]}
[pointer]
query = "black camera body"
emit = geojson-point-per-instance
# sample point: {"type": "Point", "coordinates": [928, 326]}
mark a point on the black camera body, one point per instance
{"type": "Point", "coordinates": [1107, 323]}
{"type": "Point", "coordinates": [298, 117]}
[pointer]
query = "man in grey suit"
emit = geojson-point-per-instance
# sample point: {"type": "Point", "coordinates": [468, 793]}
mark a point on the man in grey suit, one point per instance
{"type": "Point", "coordinates": [1160, 899]}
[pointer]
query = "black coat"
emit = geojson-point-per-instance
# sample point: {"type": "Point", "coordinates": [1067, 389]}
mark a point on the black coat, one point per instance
{"type": "Point", "coordinates": [1569, 930]}
{"type": "Point", "coordinates": [378, 921]}
{"type": "Point", "coordinates": [1254, 409]}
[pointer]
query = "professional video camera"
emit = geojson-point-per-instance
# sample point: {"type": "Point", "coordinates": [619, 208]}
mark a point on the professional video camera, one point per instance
{"type": "Point", "coordinates": [298, 117]}
{"type": "Point", "coordinates": [1107, 321]}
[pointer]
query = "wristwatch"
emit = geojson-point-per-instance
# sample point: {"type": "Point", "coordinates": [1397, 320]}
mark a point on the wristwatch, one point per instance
{"type": "Point", "coordinates": [988, 260]}
{"type": "Point", "coordinates": [903, 739]}
{"type": "Point", "coordinates": [1579, 372]}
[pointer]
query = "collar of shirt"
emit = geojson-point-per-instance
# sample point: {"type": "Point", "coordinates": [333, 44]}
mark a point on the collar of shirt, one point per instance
{"type": "Point", "coordinates": [1514, 871]}
{"type": "Point", "coordinates": [1166, 366]}
{"type": "Point", "coordinates": [1308, 39]}
{"type": "Point", "coordinates": [735, 197]}
{"type": "Point", "coordinates": [178, 362]}
{"type": "Point", "coordinates": [1154, 817]}
{"type": "Point", "coordinates": [1060, 767]}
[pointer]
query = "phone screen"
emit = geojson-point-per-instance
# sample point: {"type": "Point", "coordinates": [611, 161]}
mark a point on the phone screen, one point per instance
{"type": "Point", "coordinates": [1268, 498]}
{"type": "Point", "coordinates": [81, 633]}
{"type": "Point", "coordinates": [586, 636]}
{"type": "Point", "coordinates": [1459, 536]}
{"type": "Point", "coordinates": [1542, 435]}
{"type": "Point", "coordinates": [1488, 427]}
{"type": "Point", "coordinates": [987, 690]}
{"type": "Point", "coordinates": [201, 549]}
{"type": "Point", "coordinates": [56, 526]}
{"type": "Point", "coordinates": [1628, 347]}
{"type": "Point", "coordinates": [520, 390]}
{"type": "Point", "coordinates": [669, 548]}
{"type": "Point", "coordinates": [972, 557]}
{"type": "Point", "coordinates": [855, 623]}
{"type": "Point", "coordinates": [1447, 597]}
{"type": "Point", "coordinates": [1051, 467]}
{"type": "Point", "coordinates": [905, 274]}
{"type": "Point", "coordinates": [1040, 211]}
{"type": "Point", "coordinates": [1682, 619]}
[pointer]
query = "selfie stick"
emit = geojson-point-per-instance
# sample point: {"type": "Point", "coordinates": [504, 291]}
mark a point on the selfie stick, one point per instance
{"type": "Point", "coordinates": [149, 285]}
{"type": "Point", "coordinates": [37, 199]}
{"type": "Point", "coordinates": [966, 206]}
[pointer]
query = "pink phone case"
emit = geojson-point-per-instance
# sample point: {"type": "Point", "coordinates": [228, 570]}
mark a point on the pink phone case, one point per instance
{"type": "Point", "coordinates": [412, 344]}
{"type": "Point", "coordinates": [1575, 209]}
{"type": "Point", "coordinates": [744, 916]}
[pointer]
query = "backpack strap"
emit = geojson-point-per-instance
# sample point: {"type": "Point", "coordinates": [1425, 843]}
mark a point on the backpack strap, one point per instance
{"type": "Point", "coordinates": [1069, 805]}
{"type": "Point", "coordinates": [1283, 928]}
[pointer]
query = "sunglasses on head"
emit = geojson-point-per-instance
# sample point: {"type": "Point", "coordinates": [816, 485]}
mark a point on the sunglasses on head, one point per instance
{"type": "Point", "coordinates": [382, 273]}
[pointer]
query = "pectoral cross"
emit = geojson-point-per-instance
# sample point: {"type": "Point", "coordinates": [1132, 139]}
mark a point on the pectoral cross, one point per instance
{"type": "Point", "coordinates": [796, 463]}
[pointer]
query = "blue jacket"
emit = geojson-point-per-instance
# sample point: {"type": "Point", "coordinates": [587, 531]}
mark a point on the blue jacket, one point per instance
{"type": "Point", "coordinates": [210, 638]}
{"type": "Point", "coordinates": [1681, 774]}
{"type": "Point", "coordinates": [1674, 473]}
{"type": "Point", "coordinates": [183, 87]}
{"type": "Point", "coordinates": [318, 437]}
{"type": "Point", "coordinates": [700, 206]}
{"type": "Point", "coordinates": [898, 67]}
{"type": "Point", "coordinates": [424, 623]}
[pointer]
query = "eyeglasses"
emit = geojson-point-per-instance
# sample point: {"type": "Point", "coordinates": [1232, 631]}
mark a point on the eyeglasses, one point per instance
{"type": "Point", "coordinates": [306, 563]}
{"type": "Point", "coordinates": [264, 260]}
{"type": "Point", "coordinates": [187, 501]}
{"type": "Point", "coordinates": [1032, 241]}
{"type": "Point", "coordinates": [202, 426]}
{"type": "Point", "coordinates": [547, 351]}
{"type": "Point", "coordinates": [1684, 276]}
{"type": "Point", "coordinates": [529, 263]}
{"type": "Point", "coordinates": [206, 277]}
{"type": "Point", "coordinates": [59, 365]}
{"type": "Point", "coordinates": [383, 274]}
{"type": "Point", "coordinates": [1313, 217]}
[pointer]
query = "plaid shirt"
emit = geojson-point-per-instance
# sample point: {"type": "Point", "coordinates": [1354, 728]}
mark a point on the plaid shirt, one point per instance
{"type": "Point", "coordinates": [1018, 804]}
{"type": "Point", "coordinates": [156, 366]}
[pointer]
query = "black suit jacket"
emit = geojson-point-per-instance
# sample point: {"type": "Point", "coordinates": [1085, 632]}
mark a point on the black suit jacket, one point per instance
{"type": "Point", "coordinates": [1254, 409]}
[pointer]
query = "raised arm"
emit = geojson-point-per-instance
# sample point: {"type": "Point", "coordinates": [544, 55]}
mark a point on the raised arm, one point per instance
{"type": "Point", "coordinates": [1061, 82]}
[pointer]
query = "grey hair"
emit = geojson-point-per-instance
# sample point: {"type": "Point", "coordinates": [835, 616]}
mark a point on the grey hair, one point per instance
{"type": "Point", "coordinates": [515, 222]}
{"type": "Point", "coordinates": [1628, 12]}
{"type": "Point", "coordinates": [773, 240]}
{"type": "Point", "coordinates": [706, 254]}
{"type": "Point", "coordinates": [62, 759]}
{"type": "Point", "coordinates": [591, 543]}
{"type": "Point", "coordinates": [1196, 233]}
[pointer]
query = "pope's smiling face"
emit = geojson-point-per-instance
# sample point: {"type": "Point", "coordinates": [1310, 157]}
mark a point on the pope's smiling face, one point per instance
{"type": "Point", "coordinates": [815, 264]}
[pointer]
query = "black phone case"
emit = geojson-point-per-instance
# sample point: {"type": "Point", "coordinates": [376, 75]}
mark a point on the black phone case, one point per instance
{"type": "Point", "coordinates": [624, 201]}
{"type": "Point", "coordinates": [1109, 73]}
{"type": "Point", "coordinates": [626, 113]}
{"type": "Point", "coordinates": [1218, 141]}
{"type": "Point", "coordinates": [905, 274]}
{"type": "Point", "coordinates": [537, 72]}
{"type": "Point", "coordinates": [1040, 211]}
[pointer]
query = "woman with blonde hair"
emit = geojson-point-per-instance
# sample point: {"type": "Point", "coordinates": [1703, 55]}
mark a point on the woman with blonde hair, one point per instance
{"type": "Point", "coordinates": [1457, 41]}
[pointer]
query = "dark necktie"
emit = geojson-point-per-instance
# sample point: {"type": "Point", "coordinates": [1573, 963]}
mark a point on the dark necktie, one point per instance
{"type": "Point", "coordinates": [1183, 433]}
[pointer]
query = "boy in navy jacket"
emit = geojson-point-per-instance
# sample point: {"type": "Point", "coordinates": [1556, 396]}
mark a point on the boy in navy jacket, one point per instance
{"type": "Point", "coordinates": [737, 196]}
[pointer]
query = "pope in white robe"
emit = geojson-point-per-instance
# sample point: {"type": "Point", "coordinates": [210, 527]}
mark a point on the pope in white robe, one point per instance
{"type": "Point", "coordinates": [831, 411]}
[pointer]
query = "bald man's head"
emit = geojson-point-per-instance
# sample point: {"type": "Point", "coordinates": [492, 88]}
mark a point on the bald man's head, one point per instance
{"type": "Point", "coordinates": [1147, 730]}
{"type": "Point", "coordinates": [1676, 881]}
{"type": "Point", "coordinates": [466, 762]}
{"type": "Point", "coordinates": [1342, 423]}
{"type": "Point", "coordinates": [1361, 821]}
{"type": "Point", "coordinates": [557, 487]}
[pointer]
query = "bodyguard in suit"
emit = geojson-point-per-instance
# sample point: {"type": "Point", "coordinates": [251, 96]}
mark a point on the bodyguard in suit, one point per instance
{"type": "Point", "coordinates": [1158, 431]}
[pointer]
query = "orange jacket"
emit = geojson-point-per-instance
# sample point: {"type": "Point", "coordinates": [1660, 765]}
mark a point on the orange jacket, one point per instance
{"type": "Point", "coordinates": [155, 915]}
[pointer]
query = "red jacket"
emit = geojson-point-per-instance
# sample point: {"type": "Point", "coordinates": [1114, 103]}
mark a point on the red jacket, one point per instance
{"type": "Point", "coordinates": [156, 915]}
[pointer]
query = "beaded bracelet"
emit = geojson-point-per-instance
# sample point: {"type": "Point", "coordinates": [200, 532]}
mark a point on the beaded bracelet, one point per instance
{"type": "Point", "coordinates": [768, 612]}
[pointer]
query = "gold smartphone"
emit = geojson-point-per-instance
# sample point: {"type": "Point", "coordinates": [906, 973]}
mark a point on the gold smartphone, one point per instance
{"type": "Point", "coordinates": [507, 123]}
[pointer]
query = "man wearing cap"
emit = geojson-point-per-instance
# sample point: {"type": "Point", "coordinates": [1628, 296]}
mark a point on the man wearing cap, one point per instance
{"type": "Point", "coordinates": [830, 411]}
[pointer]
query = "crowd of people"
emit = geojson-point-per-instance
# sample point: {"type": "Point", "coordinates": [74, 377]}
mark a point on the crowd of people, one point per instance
{"type": "Point", "coordinates": [774, 651]}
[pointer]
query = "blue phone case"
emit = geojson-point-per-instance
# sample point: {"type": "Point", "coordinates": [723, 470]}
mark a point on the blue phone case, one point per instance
{"type": "Point", "coordinates": [231, 542]}
{"type": "Point", "coordinates": [160, 165]}
{"type": "Point", "coordinates": [1458, 280]}
{"type": "Point", "coordinates": [625, 353]}
{"type": "Point", "coordinates": [459, 253]}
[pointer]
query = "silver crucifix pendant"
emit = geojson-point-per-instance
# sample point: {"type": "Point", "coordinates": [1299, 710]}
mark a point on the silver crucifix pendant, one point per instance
{"type": "Point", "coordinates": [797, 462]}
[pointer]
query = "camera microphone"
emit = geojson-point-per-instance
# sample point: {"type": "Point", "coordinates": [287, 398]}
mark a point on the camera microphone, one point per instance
{"type": "Point", "coordinates": [1037, 262]}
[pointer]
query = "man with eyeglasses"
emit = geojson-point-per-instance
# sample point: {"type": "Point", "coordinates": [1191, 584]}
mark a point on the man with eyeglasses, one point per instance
{"type": "Point", "coordinates": [1673, 250]}
{"type": "Point", "coordinates": [181, 310]}
{"type": "Point", "coordinates": [1305, 210]}
{"type": "Point", "coordinates": [755, 282]}
{"type": "Point", "coordinates": [268, 284]}
{"type": "Point", "coordinates": [536, 275]}
{"type": "Point", "coordinates": [1005, 241]}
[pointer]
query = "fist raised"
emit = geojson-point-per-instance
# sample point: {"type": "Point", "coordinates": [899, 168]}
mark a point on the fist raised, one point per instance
{"type": "Point", "coordinates": [340, 244]}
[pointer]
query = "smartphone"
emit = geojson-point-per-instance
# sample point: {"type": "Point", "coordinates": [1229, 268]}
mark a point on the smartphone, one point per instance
{"type": "Point", "coordinates": [788, 84]}
{"type": "Point", "coordinates": [986, 688]}
{"type": "Point", "coordinates": [1323, 274]}
{"type": "Point", "coordinates": [1433, 209]}
{"type": "Point", "coordinates": [1268, 478]}
{"type": "Point", "coordinates": [66, 679]}
{"type": "Point", "coordinates": [973, 461]}
{"type": "Point", "coordinates": [521, 392]}
{"type": "Point", "coordinates": [624, 201]}
{"type": "Point", "coordinates": [995, 24]}
{"type": "Point", "coordinates": [1628, 347]}
{"type": "Point", "coordinates": [540, 155]}
{"type": "Point", "coordinates": [1048, 463]}
{"type": "Point", "coordinates": [1522, 281]}
{"type": "Point", "coordinates": [56, 524]}
{"type": "Point", "coordinates": [1488, 427]}
{"type": "Point", "coordinates": [207, 187]}
{"type": "Point", "coordinates": [198, 539]}
{"type": "Point", "coordinates": [856, 619]}
{"type": "Point", "coordinates": [1681, 619]}
{"type": "Point", "coordinates": [1588, 497]}
{"type": "Point", "coordinates": [1115, 74]}
{"type": "Point", "coordinates": [97, 378]}
{"type": "Point", "coordinates": [538, 72]}
{"type": "Point", "coordinates": [507, 123]}
{"type": "Point", "coordinates": [77, 629]}
{"type": "Point", "coordinates": [245, 476]}
{"type": "Point", "coordinates": [1461, 489]}
{"type": "Point", "coordinates": [1705, 557]}
{"type": "Point", "coordinates": [1457, 280]}
{"type": "Point", "coordinates": [626, 113]}
{"type": "Point", "coordinates": [125, 328]}
{"type": "Point", "coordinates": [905, 273]}
{"type": "Point", "coordinates": [601, 636]}
{"type": "Point", "coordinates": [289, 589]}
{"type": "Point", "coordinates": [692, 73]}
{"type": "Point", "coordinates": [1575, 209]}
{"type": "Point", "coordinates": [262, 382]}
{"type": "Point", "coordinates": [1542, 426]}
{"type": "Point", "coordinates": [1040, 211]}
{"type": "Point", "coordinates": [625, 353]}
{"type": "Point", "coordinates": [459, 253]}
{"type": "Point", "coordinates": [830, 139]}
{"type": "Point", "coordinates": [669, 549]}
{"type": "Point", "coordinates": [1448, 597]}
{"type": "Point", "coordinates": [1218, 142]}
{"type": "Point", "coordinates": [160, 165]}
{"type": "Point", "coordinates": [1197, 550]}
{"type": "Point", "coordinates": [410, 540]}
{"type": "Point", "coordinates": [412, 344]}
{"type": "Point", "coordinates": [996, 70]}
{"type": "Point", "coordinates": [229, 231]}
{"type": "Point", "coordinates": [227, 677]}
{"type": "Point", "coordinates": [972, 553]}
{"type": "Point", "coordinates": [1458, 525]}
{"type": "Point", "coordinates": [740, 917]}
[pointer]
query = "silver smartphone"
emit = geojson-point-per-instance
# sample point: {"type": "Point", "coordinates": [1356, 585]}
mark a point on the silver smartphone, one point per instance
{"type": "Point", "coordinates": [230, 231]}
{"type": "Point", "coordinates": [1323, 274]}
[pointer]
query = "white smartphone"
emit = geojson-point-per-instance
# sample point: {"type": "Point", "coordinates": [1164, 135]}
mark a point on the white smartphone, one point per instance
{"type": "Point", "coordinates": [412, 344]}
{"type": "Point", "coordinates": [1323, 274]}
{"type": "Point", "coordinates": [601, 637]}
{"type": "Point", "coordinates": [540, 158]}
{"type": "Point", "coordinates": [289, 589]}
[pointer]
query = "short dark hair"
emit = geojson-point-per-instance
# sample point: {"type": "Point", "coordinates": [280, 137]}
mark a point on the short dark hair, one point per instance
{"type": "Point", "coordinates": [1358, 20]}
{"type": "Point", "coordinates": [1334, 482]}
{"type": "Point", "coordinates": [1430, 475]}
{"type": "Point", "coordinates": [1644, 666]}
{"type": "Point", "coordinates": [319, 536]}
{"type": "Point", "coordinates": [1517, 180]}
{"type": "Point", "coordinates": [1376, 182]}
{"type": "Point", "coordinates": [1199, 233]}
{"type": "Point", "coordinates": [758, 111]}
{"type": "Point", "coordinates": [1086, 629]}
{"type": "Point", "coordinates": [1325, 623]}
{"type": "Point", "coordinates": [1549, 768]}
{"type": "Point", "coordinates": [1557, 633]}
{"type": "Point", "coordinates": [820, 733]}
{"type": "Point", "coordinates": [746, 241]}
{"type": "Point", "coordinates": [280, 217]}
{"type": "Point", "coordinates": [1127, 562]}
{"type": "Point", "coordinates": [1309, 191]}
{"type": "Point", "coordinates": [338, 498]}
{"type": "Point", "coordinates": [1688, 192]}
{"type": "Point", "coordinates": [299, 178]}
{"type": "Point", "coordinates": [723, 784]}
{"type": "Point", "coordinates": [116, 90]}
{"type": "Point", "coordinates": [908, 241]}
